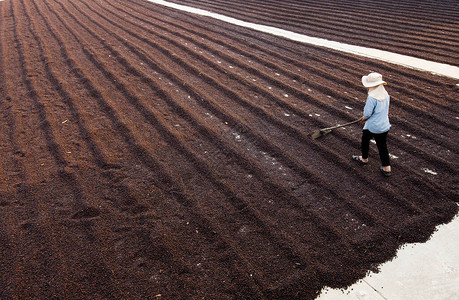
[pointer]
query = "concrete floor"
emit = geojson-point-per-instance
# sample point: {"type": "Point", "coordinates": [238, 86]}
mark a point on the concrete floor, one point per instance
{"type": "Point", "coordinates": [420, 271]}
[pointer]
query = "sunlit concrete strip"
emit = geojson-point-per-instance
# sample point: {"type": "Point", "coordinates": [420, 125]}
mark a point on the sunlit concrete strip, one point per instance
{"type": "Point", "coordinates": [421, 271]}
{"type": "Point", "coordinates": [399, 59]}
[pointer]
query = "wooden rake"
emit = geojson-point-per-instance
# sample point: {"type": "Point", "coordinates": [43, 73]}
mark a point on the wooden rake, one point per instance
{"type": "Point", "coordinates": [325, 131]}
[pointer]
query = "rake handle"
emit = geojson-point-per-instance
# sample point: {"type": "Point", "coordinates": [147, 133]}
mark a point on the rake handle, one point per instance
{"type": "Point", "coordinates": [338, 126]}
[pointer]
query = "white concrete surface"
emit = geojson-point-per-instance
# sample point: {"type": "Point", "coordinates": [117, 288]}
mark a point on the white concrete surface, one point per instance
{"type": "Point", "coordinates": [399, 59]}
{"type": "Point", "coordinates": [421, 271]}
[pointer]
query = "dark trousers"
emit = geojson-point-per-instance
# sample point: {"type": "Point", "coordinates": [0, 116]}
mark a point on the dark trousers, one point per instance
{"type": "Point", "coordinates": [381, 142]}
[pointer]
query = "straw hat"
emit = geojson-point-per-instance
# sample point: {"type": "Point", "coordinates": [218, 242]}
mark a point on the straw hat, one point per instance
{"type": "Point", "coordinates": [372, 79]}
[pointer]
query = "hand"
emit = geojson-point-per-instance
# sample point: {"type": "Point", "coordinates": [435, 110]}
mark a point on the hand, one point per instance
{"type": "Point", "coordinates": [362, 120]}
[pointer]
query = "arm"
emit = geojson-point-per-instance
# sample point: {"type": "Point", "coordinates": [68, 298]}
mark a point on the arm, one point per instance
{"type": "Point", "coordinates": [368, 109]}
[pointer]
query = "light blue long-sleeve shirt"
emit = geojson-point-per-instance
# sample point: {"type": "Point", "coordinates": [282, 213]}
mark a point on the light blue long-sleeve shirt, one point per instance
{"type": "Point", "coordinates": [377, 115]}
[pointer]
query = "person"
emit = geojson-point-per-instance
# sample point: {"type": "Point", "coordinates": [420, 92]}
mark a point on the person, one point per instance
{"type": "Point", "coordinates": [376, 119]}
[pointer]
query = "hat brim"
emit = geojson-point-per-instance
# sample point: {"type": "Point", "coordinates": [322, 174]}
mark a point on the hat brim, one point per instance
{"type": "Point", "coordinates": [371, 84]}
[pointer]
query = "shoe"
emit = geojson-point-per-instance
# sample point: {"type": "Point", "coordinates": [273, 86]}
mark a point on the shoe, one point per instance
{"type": "Point", "coordinates": [385, 173]}
{"type": "Point", "coordinates": [358, 159]}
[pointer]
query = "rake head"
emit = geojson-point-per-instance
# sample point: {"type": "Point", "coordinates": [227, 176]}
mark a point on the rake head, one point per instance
{"type": "Point", "coordinates": [320, 133]}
